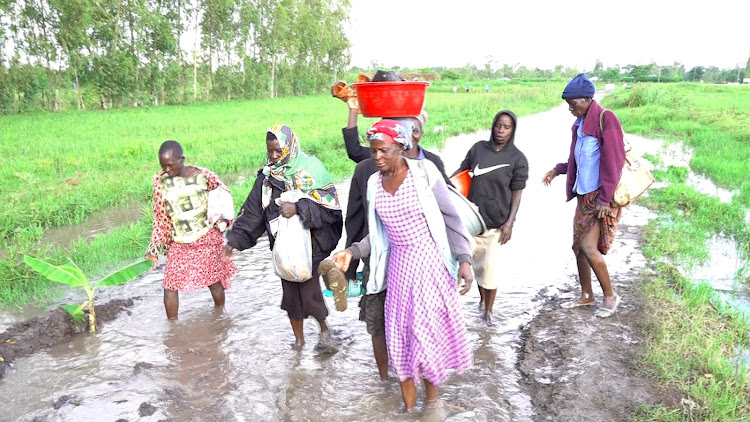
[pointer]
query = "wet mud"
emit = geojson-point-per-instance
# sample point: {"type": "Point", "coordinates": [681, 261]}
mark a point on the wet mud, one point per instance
{"type": "Point", "coordinates": [577, 367]}
{"type": "Point", "coordinates": [28, 337]}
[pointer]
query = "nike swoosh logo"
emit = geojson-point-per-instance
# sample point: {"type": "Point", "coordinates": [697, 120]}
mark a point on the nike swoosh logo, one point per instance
{"type": "Point", "coordinates": [479, 172]}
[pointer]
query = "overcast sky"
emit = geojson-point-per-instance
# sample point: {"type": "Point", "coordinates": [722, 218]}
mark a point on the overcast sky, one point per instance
{"type": "Point", "coordinates": [544, 33]}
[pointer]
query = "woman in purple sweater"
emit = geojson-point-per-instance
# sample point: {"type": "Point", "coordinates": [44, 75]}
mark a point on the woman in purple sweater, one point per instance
{"type": "Point", "coordinates": [597, 154]}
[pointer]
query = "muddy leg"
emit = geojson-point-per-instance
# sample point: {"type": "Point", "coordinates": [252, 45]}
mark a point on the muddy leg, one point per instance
{"type": "Point", "coordinates": [584, 278]}
{"type": "Point", "coordinates": [596, 262]}
{"type": "Point", "coordinates": [489, 300]}
{"type": "Point", "coordinates": [217, 292]}
{"type": "Point", "coordinates": [326, 343]}
{"type": "Point", "coordinates": [381, 355]}
{"type": "Point", "coordinates": [171, 303]}
{"type": "Point", "coordinates": [409, 394]}
{"type": "Point", "coordinates": [431, 393]}
{"type": "Point", "coordinates": [299, 337]}
{"type": "Point", "coordinates": [323, 325]}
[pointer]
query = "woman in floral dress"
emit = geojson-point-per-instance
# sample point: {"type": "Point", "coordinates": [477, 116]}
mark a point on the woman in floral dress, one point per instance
{"type": "Point", "coordinates": [194, 248]}
{"type": "Point", "coordinates": [418, 245]}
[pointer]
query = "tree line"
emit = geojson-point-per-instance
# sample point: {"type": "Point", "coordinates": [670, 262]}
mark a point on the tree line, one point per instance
{"type": "Point", "coordinates": [651, 72]}
{"type": "Point", "coordinates": [62, 54]}
{"type": "Point", "coordinates": [115, 53]}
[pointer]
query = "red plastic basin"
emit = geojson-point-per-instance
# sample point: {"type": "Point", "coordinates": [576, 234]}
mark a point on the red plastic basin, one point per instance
{"type": "Point", "coordinates": [391, 99]}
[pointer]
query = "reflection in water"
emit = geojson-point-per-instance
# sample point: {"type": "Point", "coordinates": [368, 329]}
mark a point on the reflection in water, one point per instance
{"type": "Point", "coordinates": [196, 379]}
{"type": "Point", "coordinates": [676, 154]}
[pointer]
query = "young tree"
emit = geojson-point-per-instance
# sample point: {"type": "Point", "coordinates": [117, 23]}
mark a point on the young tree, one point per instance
{"type": "Point", "coordinates": [598, 68]}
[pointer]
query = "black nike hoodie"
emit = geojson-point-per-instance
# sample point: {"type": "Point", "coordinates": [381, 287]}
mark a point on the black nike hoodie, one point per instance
{"type": "Point", "coordinates": [495, 175]}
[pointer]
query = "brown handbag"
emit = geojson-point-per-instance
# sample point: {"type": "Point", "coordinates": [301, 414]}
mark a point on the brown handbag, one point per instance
{"type": "Point", "coordinates": [634, 179]}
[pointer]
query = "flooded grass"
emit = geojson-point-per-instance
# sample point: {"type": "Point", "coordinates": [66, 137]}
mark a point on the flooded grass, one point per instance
{"type": "Point", "coordinates": [691, 346]}
{"type": "Point", "coordinates": [713, 120]}
{"type": "Point", "coordinates": [696, 326]}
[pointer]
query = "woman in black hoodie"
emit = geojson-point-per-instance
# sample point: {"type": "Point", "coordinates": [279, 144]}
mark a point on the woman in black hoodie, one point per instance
{"type": "Point", "coordinates": [499, 173]}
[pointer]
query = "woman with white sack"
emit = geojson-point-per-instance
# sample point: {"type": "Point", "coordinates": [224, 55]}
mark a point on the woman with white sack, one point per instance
{"type": "Point", "coordinates": [187, 228]}
{"type": "Point", "coordinates": [292, 188]}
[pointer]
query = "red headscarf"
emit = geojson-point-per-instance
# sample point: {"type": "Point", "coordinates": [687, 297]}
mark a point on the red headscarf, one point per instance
{"type": "Point", "coordinates": [391, 131]}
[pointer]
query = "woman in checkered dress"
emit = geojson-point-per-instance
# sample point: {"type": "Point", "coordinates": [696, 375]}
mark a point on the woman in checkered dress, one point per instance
{"type": "Point", "coordinates": [417, 239]}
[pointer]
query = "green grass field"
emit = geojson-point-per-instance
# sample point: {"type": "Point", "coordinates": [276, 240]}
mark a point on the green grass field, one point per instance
{"type": "Point", "coordinates": [60, 168]}
{"type": "Point", "coordinates": [692, 339]}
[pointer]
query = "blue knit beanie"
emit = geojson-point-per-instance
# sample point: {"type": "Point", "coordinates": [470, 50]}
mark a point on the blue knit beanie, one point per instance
{"type": "Point", "coordinates": [579, 87]}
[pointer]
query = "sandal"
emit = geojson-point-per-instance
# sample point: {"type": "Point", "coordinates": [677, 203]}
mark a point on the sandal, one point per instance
{"type": "Point", "coordinates": [606, 313]}
{"type": "Point", "coordinates": [335, 281]}
{"type": "Point", "coordinates": [576, 304]}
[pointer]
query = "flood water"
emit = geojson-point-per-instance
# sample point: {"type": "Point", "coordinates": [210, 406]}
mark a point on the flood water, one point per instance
{"type": "Point", "coordinates": [237, 364]}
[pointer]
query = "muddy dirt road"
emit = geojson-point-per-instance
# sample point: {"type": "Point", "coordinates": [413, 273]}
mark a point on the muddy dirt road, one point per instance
{"type": "Point", "coordinates": [538, 362]}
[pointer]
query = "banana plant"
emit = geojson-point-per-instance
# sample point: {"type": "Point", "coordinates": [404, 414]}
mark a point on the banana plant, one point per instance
{"type": "Point", "coordinates": [71, 275]}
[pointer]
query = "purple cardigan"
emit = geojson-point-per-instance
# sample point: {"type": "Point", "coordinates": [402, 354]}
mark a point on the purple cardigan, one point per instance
{"type": "Point", "coordinates": [612, 153]}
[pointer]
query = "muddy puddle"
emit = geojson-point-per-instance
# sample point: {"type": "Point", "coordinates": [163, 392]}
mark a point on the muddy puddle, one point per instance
{"type": "Point", "coordinates": [237, 365]}
{"type": "Point", "coordinates": [96, 223]}
{"type": "Point", "coordinates": [721, 270]}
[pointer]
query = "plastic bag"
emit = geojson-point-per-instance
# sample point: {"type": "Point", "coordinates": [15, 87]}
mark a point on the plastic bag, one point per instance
{"type": "Point", "coordinates": [292, 250]}
{"type": "Point", "coordinates": [220, 205]}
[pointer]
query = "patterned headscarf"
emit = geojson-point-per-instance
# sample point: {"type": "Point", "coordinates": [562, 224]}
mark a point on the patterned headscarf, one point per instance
{"type": "Point", "coordinates": [391, 131]}
{"type": "Point", "coordinates": [289, 147]}
{"type": "Point", "coordinates": [298, 171]}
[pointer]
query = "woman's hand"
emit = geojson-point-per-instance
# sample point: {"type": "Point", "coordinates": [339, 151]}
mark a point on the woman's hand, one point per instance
{"type": "Point", "coordinates": [221, 224]}
{"type": "Point", "coordinates": [506, 230]}
{"type": "Point", "coordinates": [547, 179]}
{"type": "Point", "coordinates": [288, 209]}
{"type": "Point", "coordinates": [342, 259]}
{"type": "Point", "coordinates": [603, 211]}
{"type": "Point", "coordinates": [153, 259]}
{"type": "Point", "coordinates": [353, 104]}
{"type": "Point", "coordinates": [464, 273]}
{"type": "Point", "coordinates": [228, 251]}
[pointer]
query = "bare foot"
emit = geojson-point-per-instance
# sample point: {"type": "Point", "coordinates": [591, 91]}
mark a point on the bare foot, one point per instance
{"type": "Point", "coordinates": [435, 410]}
{"type": "Point", "coordinates": [298, 345]}
{"type": "Point", "coordinates": [326, 343]}
{"type": "Point", "coordinates": [489, 319]}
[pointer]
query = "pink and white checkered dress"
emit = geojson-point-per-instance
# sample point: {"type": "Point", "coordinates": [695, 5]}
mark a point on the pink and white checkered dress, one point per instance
{"type": "Point", "coordinates": [424, 329]}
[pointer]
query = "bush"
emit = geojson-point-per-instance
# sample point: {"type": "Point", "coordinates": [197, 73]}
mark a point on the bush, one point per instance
{"type": "Point", "coordinates": [452, 75]}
